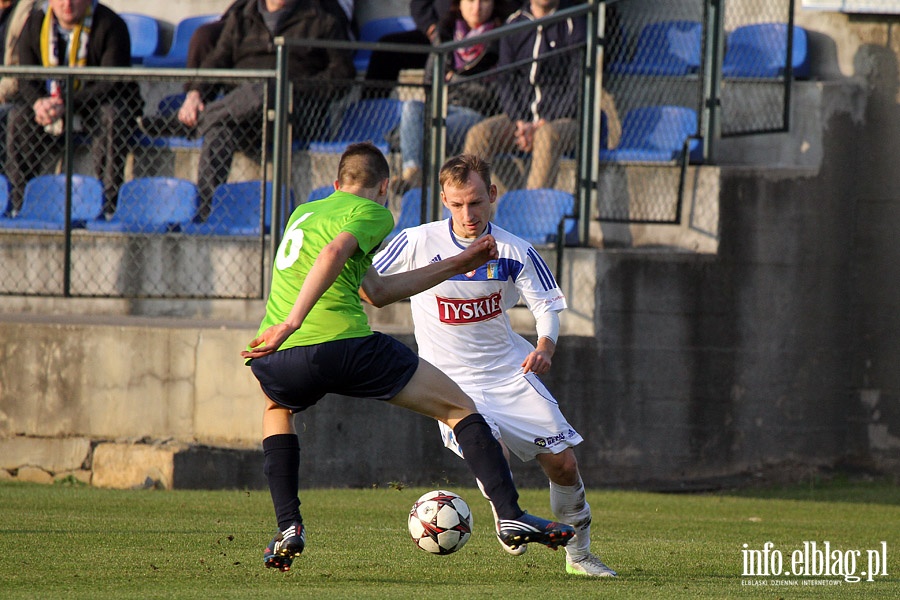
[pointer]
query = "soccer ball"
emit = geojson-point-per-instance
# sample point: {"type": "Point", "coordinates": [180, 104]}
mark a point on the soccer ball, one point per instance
{"type": "Point", "coordinates": [440, 522]}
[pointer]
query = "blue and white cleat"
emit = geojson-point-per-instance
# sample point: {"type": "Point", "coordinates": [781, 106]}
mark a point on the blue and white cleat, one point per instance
{"type": "Point", "coordinates": [529, 529]}
{"type": "Point", "coordinates": [285, 547]}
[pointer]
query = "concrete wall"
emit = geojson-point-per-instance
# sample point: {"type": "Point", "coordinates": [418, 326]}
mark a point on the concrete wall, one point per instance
{"type": "Point", "coordinates": [774, 352]}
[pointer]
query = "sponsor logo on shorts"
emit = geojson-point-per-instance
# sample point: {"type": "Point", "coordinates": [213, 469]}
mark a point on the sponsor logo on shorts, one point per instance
{"type": "Point", "coordinates": [546, 442]}
{"type": "Point", "coordinates": [469, 310]}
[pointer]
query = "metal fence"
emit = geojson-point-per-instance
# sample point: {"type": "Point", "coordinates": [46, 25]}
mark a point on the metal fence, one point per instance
{"type": "Point", "coordinates": [143, 207]}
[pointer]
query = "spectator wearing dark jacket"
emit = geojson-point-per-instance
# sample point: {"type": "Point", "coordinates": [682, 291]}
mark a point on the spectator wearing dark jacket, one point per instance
{"type": "Point", "coordinates": [105, 109]}
{"type": "Point", "coordinates": [247, 42]}
{"type": "Point", "coordinates": [386, 66]}
{"type": "Point", "coordinates": [539, 98]}
{"type": "Point", "coordinates": [470, 95]}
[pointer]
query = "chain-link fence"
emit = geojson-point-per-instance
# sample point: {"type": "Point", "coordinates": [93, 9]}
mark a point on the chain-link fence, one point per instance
{"type": "Point", "coordinates": [763, 53]}
{"type": "Point", "coordinates": [121, 199]}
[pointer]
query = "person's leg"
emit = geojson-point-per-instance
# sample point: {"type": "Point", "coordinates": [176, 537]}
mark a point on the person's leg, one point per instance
{"type": "Point", "coordinates": [551, 141]}
{"type": "Point", "coordinates": [412, 133]}
{"type": "Point", "coordinates": [432, 393]}
{"type": "Point", "coordinates": [459, 121]}
{"type": "Point", "coordinates": [492, 136]}
{"type": "Point", "coordinates": [568, 502]}
{"type": "Point", "coordinates": [28, 147]}
{"type": "Point", "coordinates": [228, 124]}
{"type": "Point", "coordinates": [109, 139]}
{"type": "Point", "coordinates": [282, 462]}
{"type": "Point", "coordinates": [281, 449]}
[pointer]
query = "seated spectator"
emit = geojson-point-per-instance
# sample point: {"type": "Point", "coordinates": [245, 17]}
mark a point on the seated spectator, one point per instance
{"type": "Point", "coordinates": [233, 121]}
{"type": "Point", "coordinates": [74, 33]}
{"type": "Point", "coordinates": [468, 102]}
{"type": "Point", "coordinates": [205, 36]}
{"type": "Point", "coordinates": [539, 97]}
{"type": "Point", "coordinates": [386, 66]}
{"type": "Point", "coordinates": [13, 14]}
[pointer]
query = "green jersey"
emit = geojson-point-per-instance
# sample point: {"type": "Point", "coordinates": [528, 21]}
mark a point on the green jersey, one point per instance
{"type": "Point", "coordinates": [339, 312]}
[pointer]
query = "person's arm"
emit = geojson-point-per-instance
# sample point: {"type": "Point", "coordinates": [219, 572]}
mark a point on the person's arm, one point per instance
{"type": "Point", "coordinates": [425, 14]}
{"type": "Point", "coordinates": [113, 50]}
{"type": "Point", "coordinates": [380, 290]}
{"type": "Point", "coordinates": [30, 89]}
{"type": "Point", "coordinates": [321, 276]}
{"type": "Point", "coordinates": [540, 359]}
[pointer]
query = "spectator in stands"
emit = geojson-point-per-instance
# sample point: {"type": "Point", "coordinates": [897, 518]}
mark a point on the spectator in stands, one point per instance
{"type": "Point", "coordinates": [468, 101]}
{"type": "Point", "coordinates": [539, 97]}
{"type": "Point", "coordinates": [246, 42]}
{"type": "Point", "coordinates": [13, 14]}
{"type": "Point", "coordinates": [74, 33]}
{"type": "Point", "coordinates": [386, 66]}
{"type": "Point", "coordinates": [205, 37]}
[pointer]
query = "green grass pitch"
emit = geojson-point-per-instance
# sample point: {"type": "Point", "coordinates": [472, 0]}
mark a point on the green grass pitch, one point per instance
{"type": "Point", "coordinates": [73, 541]}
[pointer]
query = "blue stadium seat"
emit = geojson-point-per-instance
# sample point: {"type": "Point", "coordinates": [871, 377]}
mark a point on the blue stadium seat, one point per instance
{"type": "Point", "coordinates": [4, 194]}
{"type": "Point", "coordinates": [176, 57]}
{"type": "Point", "coordinates": [374, 30]}
{"type": "Point", "coordinates": [144, 33]}
{"type": "Point", "coordinates": [44, 203]}
{"type": "Point", "coordinates": [365, 120]}
{"type": "Point", "coordinates": [535, 215]}
{"type": "Point", "coordinates": [151, 205]}
{"type": "Point", "coordinates": [411, 212]}
{"type": "Point", "coordinates": [235, 210]}
{"type": "Point", "coordinates": [320, 193]}
{"type": "Point", "coordinates": [656, 134]}
{"type": "Point", "coordinates": [665, 48]}
{"type": "Point", "coordinates": [760, 50]}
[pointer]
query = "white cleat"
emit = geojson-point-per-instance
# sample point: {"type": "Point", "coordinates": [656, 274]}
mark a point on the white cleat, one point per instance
{"type": "Point", "coordinates": [589, 566]}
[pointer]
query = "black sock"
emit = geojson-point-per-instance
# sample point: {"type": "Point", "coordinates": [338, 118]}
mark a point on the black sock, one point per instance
{"type": "Point", "coordinates": [282, 469]}
{"type": "Point", "coordinates": [485, 458]}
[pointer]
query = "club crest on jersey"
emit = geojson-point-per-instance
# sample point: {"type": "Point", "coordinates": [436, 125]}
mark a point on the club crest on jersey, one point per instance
{"type": "Point", "coordinates": [492, 269]}
{"type": "Point", "coordinates": [459, 311]}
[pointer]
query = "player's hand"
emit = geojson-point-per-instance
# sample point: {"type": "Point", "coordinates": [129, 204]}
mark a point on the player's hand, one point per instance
{"type": "Point", "coordinates": [538, 362]}
{"type": "Point", "coordinates": [268, 341]}
{"type": "Point", "coordinates": [479, 252]}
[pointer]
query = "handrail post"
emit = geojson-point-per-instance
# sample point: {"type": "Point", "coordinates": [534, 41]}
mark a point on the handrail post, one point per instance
{"type": "Point", "coordinates": [588, 168]}
{"type": "Point", "coordinates": [68, 167]}
{"type": "Point", "coordinates": [438, 135]}
{"type": "Point", "coordinates": [710, 121]}
{"type": "Point", "coordinates": [279, 147]}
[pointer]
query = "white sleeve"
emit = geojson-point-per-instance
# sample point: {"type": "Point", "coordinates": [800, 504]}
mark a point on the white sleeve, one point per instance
{"type": "Point", "coordinates": [547, 325]}
{"type": "Point", "coordinates": [395, 256]}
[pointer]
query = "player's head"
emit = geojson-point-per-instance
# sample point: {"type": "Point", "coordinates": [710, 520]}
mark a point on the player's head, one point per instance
{"type": "Point", "coordinates": [364, 171]}
{"type": "Point", "coordinates": [467, 192]}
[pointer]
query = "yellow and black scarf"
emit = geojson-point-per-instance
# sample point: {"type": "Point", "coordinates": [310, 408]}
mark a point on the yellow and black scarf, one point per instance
{"type": "Point", "coordinates": [50, 38]}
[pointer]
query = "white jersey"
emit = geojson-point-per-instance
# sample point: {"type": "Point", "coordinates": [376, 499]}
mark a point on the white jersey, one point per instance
{"type": "Point", "coordinates": [461, 325]}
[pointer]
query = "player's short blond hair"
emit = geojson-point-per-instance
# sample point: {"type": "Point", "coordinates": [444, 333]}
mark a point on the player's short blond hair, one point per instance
{"type": "Point", "coordinates": [456, 170]}
{"type": "Point", "coordinates": [362, 164]}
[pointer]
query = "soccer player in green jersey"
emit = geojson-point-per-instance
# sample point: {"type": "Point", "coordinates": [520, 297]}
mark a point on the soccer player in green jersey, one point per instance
{"type": "Point", "coordinates": [315, 339]}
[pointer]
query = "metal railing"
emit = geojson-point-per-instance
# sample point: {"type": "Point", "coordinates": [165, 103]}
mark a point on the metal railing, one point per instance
{"type": "Point", "coordinates": [606, 95]}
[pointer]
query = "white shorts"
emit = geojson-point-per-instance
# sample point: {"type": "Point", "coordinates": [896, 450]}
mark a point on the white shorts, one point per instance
{"type": "Point", "coordinates": [522, 413]}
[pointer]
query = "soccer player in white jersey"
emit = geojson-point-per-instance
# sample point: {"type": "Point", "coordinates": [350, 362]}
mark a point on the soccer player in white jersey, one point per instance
{"type": "Point", "coordinates": [462, 327]}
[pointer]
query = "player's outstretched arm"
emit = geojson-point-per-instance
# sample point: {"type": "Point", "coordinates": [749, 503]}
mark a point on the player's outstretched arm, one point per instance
{"type": "Point", "coordinates": [321, 276]}
{"type": "Point", "coordinates": [380, 290]}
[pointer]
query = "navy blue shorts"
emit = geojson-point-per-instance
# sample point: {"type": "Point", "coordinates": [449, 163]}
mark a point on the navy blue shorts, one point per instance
{"type": "Point", "coordinates": [376, 366]}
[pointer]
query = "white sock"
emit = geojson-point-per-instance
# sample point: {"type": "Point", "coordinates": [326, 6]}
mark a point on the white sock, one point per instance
{"type": "Point", "coordinates": [569, 504]}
